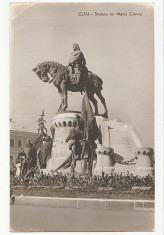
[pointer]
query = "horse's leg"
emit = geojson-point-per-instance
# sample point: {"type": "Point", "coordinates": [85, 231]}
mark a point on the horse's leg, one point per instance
{"type": "Point", "coordinates": [60, 108]}
{"type": "Point", "coordinates": [64, 95]}
{"type": "Point", "coordinates": [102, 99]}
{"type": "Point", "coordinates": [60, 92]}
{"type": "Point", "coordinates": [94, 101]}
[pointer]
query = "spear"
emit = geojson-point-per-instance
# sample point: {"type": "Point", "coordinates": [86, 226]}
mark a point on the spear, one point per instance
{"type": "Point", "coordinates": [32, 169]}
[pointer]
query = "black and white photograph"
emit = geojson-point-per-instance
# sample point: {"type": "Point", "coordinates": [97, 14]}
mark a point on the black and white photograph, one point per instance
{"type": "Point", "coordinates": [82, 138]}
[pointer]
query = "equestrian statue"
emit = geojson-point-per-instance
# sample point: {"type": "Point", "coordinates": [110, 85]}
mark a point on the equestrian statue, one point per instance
{"type": "Point", "coordinates": [75, 77]}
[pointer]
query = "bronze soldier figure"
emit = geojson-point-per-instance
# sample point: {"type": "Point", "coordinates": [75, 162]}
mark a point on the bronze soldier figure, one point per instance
{"type": "Point", "coordinates": [76, 134]}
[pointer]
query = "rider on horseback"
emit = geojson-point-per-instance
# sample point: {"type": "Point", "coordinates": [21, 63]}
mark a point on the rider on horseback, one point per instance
{"type": "Point", "coordinates": [77, 61]}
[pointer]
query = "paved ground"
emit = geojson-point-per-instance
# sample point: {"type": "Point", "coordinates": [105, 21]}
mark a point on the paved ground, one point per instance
{"type": "Point", "coordinates": [45, 219]}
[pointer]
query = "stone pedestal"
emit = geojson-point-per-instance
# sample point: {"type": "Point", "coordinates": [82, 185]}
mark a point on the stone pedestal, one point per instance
{"type": "Point", "coordinates": [63, 123]}
{"type": "Point", "coordinates": [104, 160]}
{"type": "Point", "coordinates": [144, 164]}
{"type": "Point", "coordinates": [104, 127]}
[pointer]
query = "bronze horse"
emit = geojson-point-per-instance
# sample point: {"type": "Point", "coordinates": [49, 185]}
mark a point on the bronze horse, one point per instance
{"type": "Point", "coordinates": [61, 76]}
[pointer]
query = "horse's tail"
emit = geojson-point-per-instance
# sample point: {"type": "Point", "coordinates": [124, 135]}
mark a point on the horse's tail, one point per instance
{"type": "Point", "coordinates": [95, 80]}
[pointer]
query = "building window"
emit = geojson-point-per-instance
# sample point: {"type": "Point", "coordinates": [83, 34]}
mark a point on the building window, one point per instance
{"type": "Point", "coordinates": [19, 143]}
{"type": "Point", "coordinates": [27, 140]}
{"type": "Point", "coordinates": [12, 142]}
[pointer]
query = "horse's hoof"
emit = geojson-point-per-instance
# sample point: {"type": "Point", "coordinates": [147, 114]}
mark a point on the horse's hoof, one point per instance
{"type": "Point", "coordinates": [105, 115]}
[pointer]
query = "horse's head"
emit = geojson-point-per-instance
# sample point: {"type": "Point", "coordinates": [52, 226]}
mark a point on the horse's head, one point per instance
{"type": "Point", "coordinates": [46, 71]}
{"type": "Point", "coordinates": [41, 71]}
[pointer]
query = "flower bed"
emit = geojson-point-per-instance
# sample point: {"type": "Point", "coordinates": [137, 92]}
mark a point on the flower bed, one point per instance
{"type": "Point", "coordinates": [114, 186]}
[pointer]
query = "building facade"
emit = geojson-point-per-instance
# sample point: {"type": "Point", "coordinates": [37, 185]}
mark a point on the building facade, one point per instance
{"type": "Point", "coordinates": [18, 141]}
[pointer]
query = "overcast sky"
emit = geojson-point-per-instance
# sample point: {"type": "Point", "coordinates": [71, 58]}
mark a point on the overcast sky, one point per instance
{"type": "Point", "coordinates": [119, 49]}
